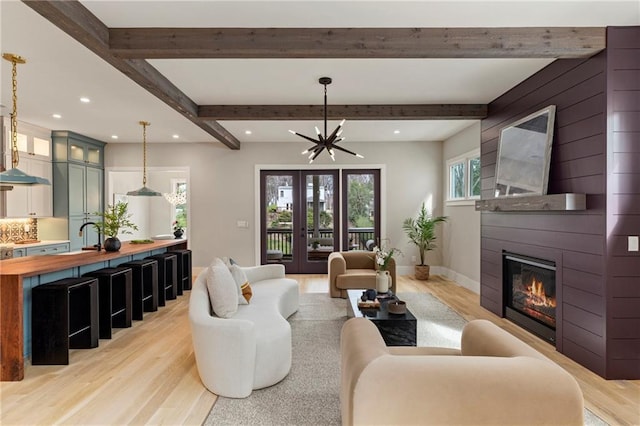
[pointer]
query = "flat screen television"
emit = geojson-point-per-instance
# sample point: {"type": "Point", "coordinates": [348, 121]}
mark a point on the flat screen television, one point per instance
{"type": "Point", "coordinates": [524, 155]}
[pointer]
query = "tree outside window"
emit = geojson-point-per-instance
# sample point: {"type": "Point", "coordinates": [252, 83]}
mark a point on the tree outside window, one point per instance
{"type": "Point", "coordinates": [465, 180]}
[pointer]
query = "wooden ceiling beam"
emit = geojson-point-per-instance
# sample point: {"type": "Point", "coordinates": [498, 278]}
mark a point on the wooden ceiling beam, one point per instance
{"type": "Point", "coordinates": [77, 21]}
{"type": "Point", "coordinates": [349, 112]}
{"type": "Point", "coordinates": [516, 42]}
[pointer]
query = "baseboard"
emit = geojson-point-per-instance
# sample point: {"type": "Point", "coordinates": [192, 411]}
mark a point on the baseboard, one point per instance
{"type": "Point", "coordinates": [460, 279]}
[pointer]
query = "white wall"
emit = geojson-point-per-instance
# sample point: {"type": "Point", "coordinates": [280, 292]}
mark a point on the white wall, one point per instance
{"type": "Point", "coordinates": [223, 191]}
{"type": "Point", "coordinates": [461, 241]}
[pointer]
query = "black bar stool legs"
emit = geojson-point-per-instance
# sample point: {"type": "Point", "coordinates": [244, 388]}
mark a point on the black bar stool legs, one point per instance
{"type": "Point", "coordinates": [184, 269]}
{"type": "Point", "coordinates": [145, 286]}
{"type": "Point", "coordinates": [167, 276]}
{"type": "Point", "coordinates": [115, 303]}
{"type": "Point", "coordinates": [64, 316]}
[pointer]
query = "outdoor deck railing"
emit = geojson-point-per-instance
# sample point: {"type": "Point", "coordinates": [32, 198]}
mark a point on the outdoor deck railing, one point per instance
{"type": "Point", "coordinates": [280, 239]}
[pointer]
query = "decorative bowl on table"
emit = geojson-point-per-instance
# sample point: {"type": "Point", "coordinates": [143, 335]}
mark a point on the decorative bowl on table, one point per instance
{"type": "Point", "coordinates": [397, 307]}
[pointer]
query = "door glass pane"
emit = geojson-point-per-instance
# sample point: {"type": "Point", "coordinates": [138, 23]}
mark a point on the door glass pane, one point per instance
{"type": "Point", "coordinates": [279, 202]}
{"type": "Point", "coordinates": [360, 210]}
{"type": "Point", "coordinates": [319, 215]}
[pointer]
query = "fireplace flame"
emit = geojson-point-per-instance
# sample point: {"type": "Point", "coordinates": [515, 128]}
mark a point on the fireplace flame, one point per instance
{"type": "Point", "coordinates": [537, 295]}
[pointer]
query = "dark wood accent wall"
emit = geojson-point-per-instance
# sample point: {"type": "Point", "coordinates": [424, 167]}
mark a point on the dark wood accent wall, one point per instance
{"type": "Point", "coordinates": [623, 202]}
{"type": "Point", "coordinates": [596, 151]}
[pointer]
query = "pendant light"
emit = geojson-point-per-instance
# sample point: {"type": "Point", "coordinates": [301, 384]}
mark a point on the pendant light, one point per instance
{"type": "Point", "coordinates": [15, 176]}
{"type": "Point", "coordinates": [323, 141]}
{"type": "Point", "coordinates": [144, 191]}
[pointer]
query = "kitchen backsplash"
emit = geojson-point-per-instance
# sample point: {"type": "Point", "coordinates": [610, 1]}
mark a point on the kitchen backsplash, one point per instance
{"type": "Point", "coordinates": [14, 230]}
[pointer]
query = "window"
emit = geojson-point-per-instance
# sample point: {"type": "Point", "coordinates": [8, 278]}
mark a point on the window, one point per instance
{"type": "Point", "coordinates": [179, 213]}
{"type": "Point", "coordinates": [464, 180]}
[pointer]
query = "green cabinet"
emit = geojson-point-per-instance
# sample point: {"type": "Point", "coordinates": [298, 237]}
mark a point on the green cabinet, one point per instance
{"type": "Point", "coordinates": [78, 176]}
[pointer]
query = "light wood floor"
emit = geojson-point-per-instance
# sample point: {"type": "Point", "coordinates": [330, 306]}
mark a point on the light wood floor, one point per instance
{"type": "Point", "coordinates": [147, 375]}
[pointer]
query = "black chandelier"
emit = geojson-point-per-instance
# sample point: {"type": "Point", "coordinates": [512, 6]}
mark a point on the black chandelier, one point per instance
{"type": "Point", "coordinates": [325, 142]}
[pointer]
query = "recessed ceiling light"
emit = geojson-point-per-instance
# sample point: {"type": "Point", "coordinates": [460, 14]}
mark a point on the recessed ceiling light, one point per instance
{"type": "Point", "coordinates": [176, 136]}
{"type": "Point", "coordinates": [396, 131]}
{"type": "Point", "coordinates": [56, 116]}
{"type": "Point", "coordinates": [114, 136]}
{"type": "Point", "coordinates": [85, 100]}
{"type": "Point", "coordinates": [247, 132]}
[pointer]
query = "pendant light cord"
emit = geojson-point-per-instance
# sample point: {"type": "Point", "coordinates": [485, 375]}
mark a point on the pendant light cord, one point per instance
{"type": "Point", "coordinates": [144, 151]}
{"type": "Point", "coordinates": [325, 112]}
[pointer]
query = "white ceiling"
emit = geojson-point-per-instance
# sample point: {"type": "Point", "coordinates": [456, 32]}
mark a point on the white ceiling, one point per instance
{"type": "Point", "coordinates": [59, 70]}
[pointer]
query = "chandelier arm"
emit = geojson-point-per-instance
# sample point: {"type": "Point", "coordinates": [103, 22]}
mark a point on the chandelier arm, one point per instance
{"type": "Point", "coordinates": [333, 135]}
{"type": "Point", "coordinates": [317, 153]}
{"type": "Point", "coordinates": [339, 148]}
{"type": "Point", "coordinates": [307, 138]}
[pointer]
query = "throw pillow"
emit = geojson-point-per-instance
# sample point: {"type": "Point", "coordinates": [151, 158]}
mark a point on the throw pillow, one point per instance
{"type": "Point", "coordinates": [244, 288]}
{"type": "Point", "coordinates": [222, 289]}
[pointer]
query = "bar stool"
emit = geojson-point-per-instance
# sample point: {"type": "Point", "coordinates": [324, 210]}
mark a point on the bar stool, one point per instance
{"type": "Point", "coordinates": [114, 294]}
{"type": "Point", "coordinates": [167, 276]}
{"type": "Point", "coordinates": [184, 269]}
{"type": "Point", "coordinates": [64, 316]}
{"type": "Point", "coordinates": [144, 292]}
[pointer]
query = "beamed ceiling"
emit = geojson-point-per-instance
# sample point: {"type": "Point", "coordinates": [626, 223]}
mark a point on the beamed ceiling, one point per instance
{"type": "Point", "coordinates": [219, 77]}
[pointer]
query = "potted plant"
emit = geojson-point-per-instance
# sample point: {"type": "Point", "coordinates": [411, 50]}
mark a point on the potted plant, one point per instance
{"type": "Point", "coordinates": [421, 232]}
{"type": "Point", "coordinates": [115, 220]}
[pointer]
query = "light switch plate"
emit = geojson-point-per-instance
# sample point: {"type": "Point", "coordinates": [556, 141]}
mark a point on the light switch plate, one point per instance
{"type": "Point", "coordinates": [242, 224]}
{"type": "Point", "coordinates": [632, 243]}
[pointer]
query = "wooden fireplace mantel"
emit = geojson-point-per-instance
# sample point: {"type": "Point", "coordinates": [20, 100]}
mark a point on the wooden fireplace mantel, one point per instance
{"type": "Point", "coordinates": [550, 202]}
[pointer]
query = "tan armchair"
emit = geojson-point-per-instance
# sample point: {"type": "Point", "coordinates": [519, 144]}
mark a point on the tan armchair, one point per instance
{"type": "Point", "coordinates": [494, 379]}
{"type": "Point", "coordinates": [355, 270]}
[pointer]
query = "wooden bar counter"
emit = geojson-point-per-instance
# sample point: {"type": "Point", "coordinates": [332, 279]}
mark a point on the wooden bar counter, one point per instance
{"type": "Point", "coordinates": [13, 272]}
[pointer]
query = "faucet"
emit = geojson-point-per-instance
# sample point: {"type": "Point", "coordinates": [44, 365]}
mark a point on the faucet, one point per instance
{"type": "Point", "coordinates": [97, 246]}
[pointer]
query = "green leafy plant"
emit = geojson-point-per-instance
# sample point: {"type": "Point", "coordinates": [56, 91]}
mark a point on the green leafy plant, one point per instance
{"type": "Point", "coordinates": [422, 231]}
{"type": "Point", "coordinates": [115, 220]}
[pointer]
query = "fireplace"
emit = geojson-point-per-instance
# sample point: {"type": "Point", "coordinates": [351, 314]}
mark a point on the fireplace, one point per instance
{"type": "Point", "coordinates": [530, 293]}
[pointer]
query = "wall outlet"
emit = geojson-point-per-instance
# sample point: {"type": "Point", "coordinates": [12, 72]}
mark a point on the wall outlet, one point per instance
{"type": "Point", "coordinates": [242, 224]}
{"type": "Point", "coordinates": [632, 243]}
{"type": "Point", "coordinates": [413, 259]}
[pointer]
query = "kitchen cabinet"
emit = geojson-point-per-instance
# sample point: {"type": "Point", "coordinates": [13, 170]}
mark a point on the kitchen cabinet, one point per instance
{"type": "Point", "coordinates": [33, 142]}
{"type": "Point", "coordinates": [34, 155]}
{"type": "Point", "coordinates": [78, 175]}
{"type": "Point", "coordinates": [29, 200]}
{"type": "Point", "coordinates": [42, 249]}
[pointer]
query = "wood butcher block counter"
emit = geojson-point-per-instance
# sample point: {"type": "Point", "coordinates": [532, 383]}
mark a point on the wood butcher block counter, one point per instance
{"type": "Point", "coordinates": [13, 272]}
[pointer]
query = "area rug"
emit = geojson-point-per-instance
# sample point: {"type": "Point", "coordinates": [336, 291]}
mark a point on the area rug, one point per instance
{"type": "Point", "coordinates": [309, 395]}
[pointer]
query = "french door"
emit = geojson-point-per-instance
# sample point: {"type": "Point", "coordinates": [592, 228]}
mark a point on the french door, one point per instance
{"type": "Point", "coordinates": [300, 213]}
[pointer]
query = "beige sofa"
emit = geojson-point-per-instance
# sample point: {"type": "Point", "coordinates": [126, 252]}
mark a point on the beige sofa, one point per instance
{"type": "Point", "coordinates": [495, 379]}
{"type": "Point", "coordinates": [355, 270]}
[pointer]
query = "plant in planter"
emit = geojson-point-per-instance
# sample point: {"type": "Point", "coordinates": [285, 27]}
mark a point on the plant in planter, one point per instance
{"type": "Point", "coordinates": [115, 220]}
{"type": "Point", "coordinates": [421, 232]}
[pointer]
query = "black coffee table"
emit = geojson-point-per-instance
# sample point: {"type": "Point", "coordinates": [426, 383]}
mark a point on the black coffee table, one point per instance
{"type": "Point", "coordinates": [396, 329]}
